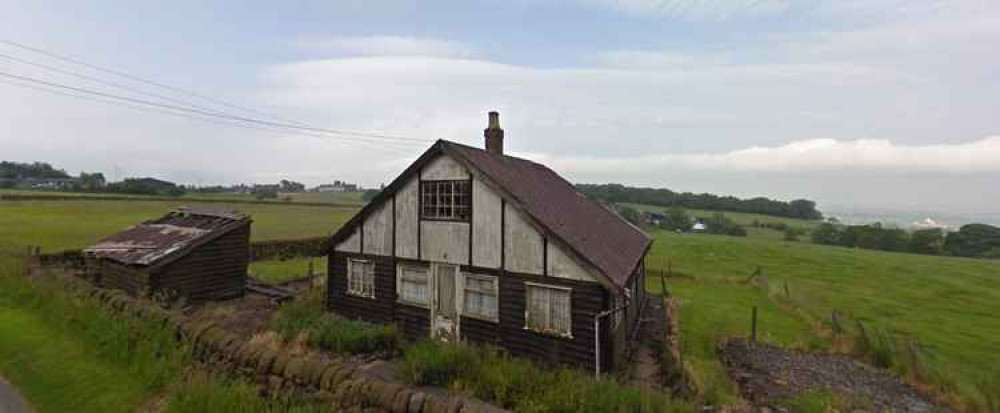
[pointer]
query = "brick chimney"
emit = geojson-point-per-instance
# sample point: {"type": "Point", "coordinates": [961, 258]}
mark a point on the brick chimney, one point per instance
{"type": "Point", "coordinates": [494, 135]}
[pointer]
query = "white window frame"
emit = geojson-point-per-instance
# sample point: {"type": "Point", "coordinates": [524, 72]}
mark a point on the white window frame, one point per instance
{"type": "Point", "coordinates": [399, 284]}
{"type": "Point", "coordinates": [351, 262]}
{"type": "Point", "coordinates": [527, 309]}
{"type": "Point", "coordinates": [440, 206]}
{"type": "Point", "coordinates": [495, 317]}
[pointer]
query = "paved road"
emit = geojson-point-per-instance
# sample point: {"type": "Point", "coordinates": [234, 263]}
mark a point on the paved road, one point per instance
{"type": "Point", "coordinates": [10, 399]}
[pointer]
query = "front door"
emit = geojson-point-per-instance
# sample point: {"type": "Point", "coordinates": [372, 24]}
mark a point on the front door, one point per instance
{"type": "Point", "coordinates": [444, 317]}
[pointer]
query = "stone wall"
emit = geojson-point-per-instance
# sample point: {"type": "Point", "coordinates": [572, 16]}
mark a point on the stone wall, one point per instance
{"type": "Point", "coordinates": [340, 384]}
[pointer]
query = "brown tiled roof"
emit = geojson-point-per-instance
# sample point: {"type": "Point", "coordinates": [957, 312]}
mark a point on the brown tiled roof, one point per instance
{"type": "Point", "coordinates": [176, 232]}
{"type": "Point", "coordinates": [597, 235]}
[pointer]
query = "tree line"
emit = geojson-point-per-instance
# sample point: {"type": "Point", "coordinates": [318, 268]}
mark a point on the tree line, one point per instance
{"type": "Point", "coordinates": [617, 193]}
{"type": "Point", "coordinates": [972, 240]}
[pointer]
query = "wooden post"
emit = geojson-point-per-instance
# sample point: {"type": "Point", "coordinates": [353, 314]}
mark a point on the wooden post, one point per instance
{"type": "Point", "coordinates": [311, 278]}
{"type": "Point", "coordinates": [663, 282]}
{"type": "Point", "coordinates": [753, 325]}
{"type": "Point", "coordinates": [787, 294]}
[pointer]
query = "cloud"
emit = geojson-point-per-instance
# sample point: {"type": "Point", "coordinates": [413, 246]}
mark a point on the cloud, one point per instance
{"type": "Point", "coordinates": [696, 9]}
{"type": "Point", "coordinates": [387, 46]}
{"type": "Point", "coordinates": [817, 155]}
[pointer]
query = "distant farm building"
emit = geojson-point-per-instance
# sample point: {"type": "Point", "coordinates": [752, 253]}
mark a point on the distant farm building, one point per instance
{"type": "Point", "coordinates": [472, 244]}
{"type": "Point", "coordinates": [337, 186]}
{"type": "Point", "coordinates": [699, 226]}
{"type": "Point", "coordinates": [199, 254]}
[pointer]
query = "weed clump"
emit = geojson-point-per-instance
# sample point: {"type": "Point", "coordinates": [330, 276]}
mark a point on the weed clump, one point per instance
{"type": "Point", "coordinates": [492, 375]}
{"type": "Point", "coordinates": [306, 319]}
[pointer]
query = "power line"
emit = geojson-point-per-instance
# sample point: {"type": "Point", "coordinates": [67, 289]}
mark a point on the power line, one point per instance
{"type": "Point", "coordinates": [174, 89]}
{"type": "Point", "coordinates": [379, 145]}
{"type": "Point", "coordinates": [103, 82]}
{"type": "Point", "coordinates": [186, 109]}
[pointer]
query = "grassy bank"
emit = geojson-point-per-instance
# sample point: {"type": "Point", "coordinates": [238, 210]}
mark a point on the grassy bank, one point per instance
{"type": "Point", "coordinates": [69, 355]}
{"type": "Point", "coordinates": [57, 225]}
{"type": "Point", "coordinates": [944, 304]}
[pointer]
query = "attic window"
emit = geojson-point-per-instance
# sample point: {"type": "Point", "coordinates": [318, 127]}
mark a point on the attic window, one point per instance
{"type": "Point", "coordinates": [446, 200]}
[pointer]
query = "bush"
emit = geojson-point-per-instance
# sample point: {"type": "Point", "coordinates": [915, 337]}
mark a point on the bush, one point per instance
{"type": "Point", "coordinates": [517, 384]}
{"type": "Point", "coordinates": [307, 318]}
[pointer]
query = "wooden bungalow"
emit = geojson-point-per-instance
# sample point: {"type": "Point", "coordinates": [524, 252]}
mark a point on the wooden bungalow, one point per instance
{"type": "Point", "coordinates": [473, 244]}
{"type": "Point", "coordinates": [200, 254]}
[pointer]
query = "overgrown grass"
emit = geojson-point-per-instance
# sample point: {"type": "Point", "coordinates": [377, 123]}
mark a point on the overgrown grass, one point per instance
{"type": "Point", "coordinates": [306, 319]}
{"type": "Point", "coordinates": [945, 304]}
{"type": "Point", "coordinates": [67, 354]}
{"type": "Point", "coordinates": [58, 225]}
{"type": "Point", "coordinates": [520, 385]}
{"type": "Point", "coordinates": [276, 271]}
{"type": "Point", "coordinates": [205, 393]}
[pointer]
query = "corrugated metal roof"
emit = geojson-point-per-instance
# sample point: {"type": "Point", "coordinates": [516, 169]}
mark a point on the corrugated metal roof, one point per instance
{"type": "Point", "coordinates": [598, 235]}
{"type": "Point", "coordinates": [152, 241]}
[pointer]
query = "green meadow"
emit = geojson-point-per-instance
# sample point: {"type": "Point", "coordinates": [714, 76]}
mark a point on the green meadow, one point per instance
{"type": "Point", "coordinates": [947, 305]}
{"type": "Point", "coordinates": [58, 225]}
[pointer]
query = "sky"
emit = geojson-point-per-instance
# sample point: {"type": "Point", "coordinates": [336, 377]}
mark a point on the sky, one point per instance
{"type": "Point", "coordinates": [877, 104]}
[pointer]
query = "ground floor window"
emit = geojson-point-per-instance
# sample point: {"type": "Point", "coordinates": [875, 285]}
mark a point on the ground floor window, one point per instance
{"type": "Point", "coordinates": [361, 278]}
{"type": "Point", "coordinates": [548, 309]}
{"type": "Point", "coordinates": [412, 284]}
{"type": "Point", "coordinates": [481, 297]}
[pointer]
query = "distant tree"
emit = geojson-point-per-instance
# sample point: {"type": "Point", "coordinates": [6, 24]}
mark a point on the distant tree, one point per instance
{"type": "Point", "coordinates": [617, 193]}
{"type": "Point", "coordinates": [291, 186]}
{"type": "Point", "coordinates": [630, 214]}
{"type": "Point", "coordinates": [893, 239]}
{"type": "Point", "coordinates": [973, 240]}
{"type": "Point", "coordinates": [369, 194]}
{"type": "Point", "coordinates": [677, 219]}
{"type": "Point", "coordinates": [793, 234]}
{"type": "Point", "coordinates": [804, 209]}
{"type": "Point", "coordinates": [927, 241]}
{"type": "Point", "coordinates": [826, 234]}
{"type": "Point", "coordinates": [265, 193]}
{"type": "Point", "coordinates": [718, 223]}
{"type": "Point", "coordinates": [92, 181]}
{"type": "Point", "coordinates": [21, 170]}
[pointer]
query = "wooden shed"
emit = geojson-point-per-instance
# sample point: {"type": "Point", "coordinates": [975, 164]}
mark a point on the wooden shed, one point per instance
{"type": "Point", "coordinates": [473, 244]}
{"type": "Point", "coordinates": [200, 254]}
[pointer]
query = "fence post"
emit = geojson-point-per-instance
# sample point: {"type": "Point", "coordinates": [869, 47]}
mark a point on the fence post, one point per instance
{"type": "Point", "coordinates": [788, 295]}
{"type": "Point", "coordinates": [312, 279]}
{"type": "Point", "coordinates": [753, 325]}
{"type": "Point", "coordinates": [663, 282]}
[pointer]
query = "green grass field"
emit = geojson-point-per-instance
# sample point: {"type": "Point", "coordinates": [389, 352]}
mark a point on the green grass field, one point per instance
{"type": "Point", "coordinates": [276, 271]}
{"type": "Point", "coordinates": [946, 304]}
{"type": "Point", "coordinates": [743, 219]}
{"type": "Point", "coordinates": [336, 198]}
{"type": "Point", "coordinates": [57, 225]}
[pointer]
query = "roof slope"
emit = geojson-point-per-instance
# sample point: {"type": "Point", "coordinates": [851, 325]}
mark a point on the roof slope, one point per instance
{"type": "Point", "coordinates": [156, 241]}
{"type": "Point", "coordinates": [598, 235]}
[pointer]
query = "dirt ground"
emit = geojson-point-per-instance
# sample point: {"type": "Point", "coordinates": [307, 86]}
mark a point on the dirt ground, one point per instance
{"type": "Point", "coordinates": [768, 374]}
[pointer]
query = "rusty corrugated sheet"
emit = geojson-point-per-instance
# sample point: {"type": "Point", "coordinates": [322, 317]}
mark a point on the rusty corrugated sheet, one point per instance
{"type": "Point", "coordinates": [149, 242]}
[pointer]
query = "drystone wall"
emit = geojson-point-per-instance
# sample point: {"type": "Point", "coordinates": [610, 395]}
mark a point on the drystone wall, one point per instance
{"type": "Point", "coordinates": [340, 384]}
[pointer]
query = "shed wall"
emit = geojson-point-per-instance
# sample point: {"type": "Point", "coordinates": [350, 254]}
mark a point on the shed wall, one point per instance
{"type": "Point", "coordinates": [214, 270]}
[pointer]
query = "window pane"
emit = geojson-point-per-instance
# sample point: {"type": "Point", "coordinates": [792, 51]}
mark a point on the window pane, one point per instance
{"type": "Point", "coordinates": [561, 319]}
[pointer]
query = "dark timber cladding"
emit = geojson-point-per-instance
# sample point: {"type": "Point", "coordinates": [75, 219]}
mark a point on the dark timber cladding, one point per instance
{"type": "Point", "coordinates": [201, 254]}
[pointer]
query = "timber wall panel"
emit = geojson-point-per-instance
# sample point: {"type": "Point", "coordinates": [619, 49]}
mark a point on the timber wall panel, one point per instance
{"type": "Point", "coordinates": [215, 270]}
{"type": "Point", "coordinates": [377, 310]}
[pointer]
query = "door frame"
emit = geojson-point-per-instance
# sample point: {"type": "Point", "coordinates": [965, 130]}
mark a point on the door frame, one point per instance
{"type": "Point", "coordinates": [440, 326]}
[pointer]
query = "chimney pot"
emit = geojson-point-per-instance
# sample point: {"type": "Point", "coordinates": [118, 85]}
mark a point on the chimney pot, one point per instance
{"type": "Point", "coordinates": [493, 134]}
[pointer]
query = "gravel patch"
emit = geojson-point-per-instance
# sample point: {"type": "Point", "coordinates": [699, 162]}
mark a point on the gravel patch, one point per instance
{"type": "Point", "coordinates": [768, 374]}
